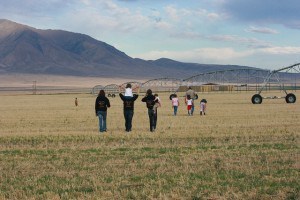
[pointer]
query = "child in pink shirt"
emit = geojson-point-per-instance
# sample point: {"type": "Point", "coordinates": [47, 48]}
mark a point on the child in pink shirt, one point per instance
{"type": "Point", "coordinates": [175, 104]}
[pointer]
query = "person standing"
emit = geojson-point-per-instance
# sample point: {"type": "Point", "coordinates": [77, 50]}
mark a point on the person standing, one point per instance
{"type": "Point", "coordinates": [128, 108]}
{"type": "Point", "coordinates": [150, 101]}
{"type": "Point", "coordinates": [76, 102]}
{"type": "Point", "coordinates": [192, 95]}
{"type": "Point", "coordinates": [101, 105]}
{"type": "Point", "coordinates": [190, 103]}
{"type": "Point", "coordinates": [156, 105]}
{"type": "Point", "coordinates": [175, 104]}
{"type": "Point", "coordinates": [203, 103]}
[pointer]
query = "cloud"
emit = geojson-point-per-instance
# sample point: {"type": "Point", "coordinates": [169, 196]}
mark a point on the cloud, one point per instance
{"type": "Point", "coordinates": [107, 16]}
{"type": "Point", "coordinates": [212, 16]}
{"type": "Point", "coordinates": [199, 55]}
{"type": "Point", "coordinates": [281, 50]}
{"type": "Point", "coordinates": [264, 11]}
{"type": "Point", "coordinates": [263, 30]}
{"type": "Point", "coordinates": [226, 55]}
{"type": "Point", "coordinates": [248, 42]}
{"type": "Point", "coordinates": [232, 39]}
{"type": "Point", "coordinates": [34, 7]}
{"type": "Point", "coordinates": [172, 13]}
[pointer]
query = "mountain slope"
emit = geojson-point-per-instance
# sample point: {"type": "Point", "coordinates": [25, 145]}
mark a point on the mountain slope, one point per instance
{"type": "Point", "coordinates": [24, 49]}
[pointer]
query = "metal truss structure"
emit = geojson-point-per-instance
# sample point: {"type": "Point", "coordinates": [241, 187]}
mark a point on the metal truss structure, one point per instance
{"type": "Point", "coordinates": [279, 76]}
{"type": "Point", "coordinates": [135, 86]}
{"type": "Point", "coordinates": [96, 89]}
{"type": "Point", "coordinates": [162, 84]}
{"type": "Point", "coordinates": [111, 90]}
{"type": "Point", "coordinates": [233, 76]}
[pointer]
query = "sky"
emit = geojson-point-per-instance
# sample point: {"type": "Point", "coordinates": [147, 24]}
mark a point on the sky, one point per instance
{"type": "Point", "coordinates": [257, 33]}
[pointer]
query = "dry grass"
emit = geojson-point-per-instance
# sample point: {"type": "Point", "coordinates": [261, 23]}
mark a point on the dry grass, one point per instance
{"type": "Point", "coordinates": [50, 149]}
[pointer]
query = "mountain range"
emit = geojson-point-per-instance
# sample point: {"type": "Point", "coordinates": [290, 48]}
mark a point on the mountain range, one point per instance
{"type": "Point", "coordinates": [24, 49]}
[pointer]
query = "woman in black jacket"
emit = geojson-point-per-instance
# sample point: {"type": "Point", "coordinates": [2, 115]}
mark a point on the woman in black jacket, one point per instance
{"type": "Point", "coordinates": [128, 110]}
{"type": "Point", "coordinates": [101, 105]}
{"type": "Point", "coordinates": [150, 101]}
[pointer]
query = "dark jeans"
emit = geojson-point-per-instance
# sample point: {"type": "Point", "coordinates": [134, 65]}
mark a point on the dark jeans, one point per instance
{"type": "Point", "coordinates": [155, 119]}
{"type": "Point", "coordinates": [128, 115]}
{"type": "Point", "coordinates": [151, 119]}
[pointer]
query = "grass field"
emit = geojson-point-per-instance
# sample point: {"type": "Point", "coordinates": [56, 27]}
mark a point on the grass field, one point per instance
{"type": "Point", "coordinates": [50, 149]}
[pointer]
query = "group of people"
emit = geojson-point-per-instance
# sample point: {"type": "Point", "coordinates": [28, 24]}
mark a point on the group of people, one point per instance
{"type": "Point", "coordinates": [152, 103]}
{"type": "Point", "coordinates": [190, 97]}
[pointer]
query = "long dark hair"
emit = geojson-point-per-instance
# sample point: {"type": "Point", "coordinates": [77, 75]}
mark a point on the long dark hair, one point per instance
{"type": "Point", "coordinates": [101, 93]}
{"type": "Point", "coordinates": [149, 92]}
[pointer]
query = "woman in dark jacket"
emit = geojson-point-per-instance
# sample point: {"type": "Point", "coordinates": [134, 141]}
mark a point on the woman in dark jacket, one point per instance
{"type": "Point", "coordinates": [101, 105]}
{"type": "Point", "coordinates": [150, 101]}
{"type": "Point", "coordinates": [128, 108]}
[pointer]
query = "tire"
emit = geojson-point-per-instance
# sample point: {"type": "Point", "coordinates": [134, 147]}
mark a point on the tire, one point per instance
{"type": "Point", "coordinates": [171, 96]}
{"type": "Point", "coordinates": [256, 99]}
{"type": "Point", "coordinates": [113, 95]}
{"type": "Point", "coordinates": [290, 98]}
{"type": "Point", "coordinates": [196, 96]}
{"type": "Point", "coordinates": [109, 95]}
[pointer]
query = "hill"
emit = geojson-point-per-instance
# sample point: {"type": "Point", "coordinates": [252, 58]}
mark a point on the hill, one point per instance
{"type": "Point", "coordinates": [24, 49]}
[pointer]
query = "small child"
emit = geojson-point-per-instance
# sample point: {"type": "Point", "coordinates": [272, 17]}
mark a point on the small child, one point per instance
{"type": "Point", "coordinates": [189, 103]}
{"type": "Point", "coordinates": [128, 90]}
{"type": "Point", "coordinates": [157, 103]}
{"type": "Point", "coordinates": [203, 103]}
{"type": "Point", "coordinates": [175, 103]}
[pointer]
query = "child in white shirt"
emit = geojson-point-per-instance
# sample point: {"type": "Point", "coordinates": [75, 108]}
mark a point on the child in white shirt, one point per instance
{"type": "Point", "coordinates": [157, 102]}
{"type": "Point", "coordinates": [128, 91]}
{"type": "Point", "coordinates": [189, 102]}
{"type": "Point", "coordinates": [203, 103]}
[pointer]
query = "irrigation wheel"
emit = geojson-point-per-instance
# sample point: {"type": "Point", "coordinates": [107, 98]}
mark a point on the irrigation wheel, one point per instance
{"type": "Point", "coordinates": [290, 98]}
{"type": "Point", "coordinates": [256, 99]}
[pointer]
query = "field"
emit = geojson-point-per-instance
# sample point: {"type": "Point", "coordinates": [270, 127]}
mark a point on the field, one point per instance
{"type": "Point", "coordinates": [50, 149]}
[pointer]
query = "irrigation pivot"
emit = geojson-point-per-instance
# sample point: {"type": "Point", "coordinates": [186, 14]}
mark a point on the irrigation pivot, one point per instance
{"type": "Point", "coordinates": [274, 75]}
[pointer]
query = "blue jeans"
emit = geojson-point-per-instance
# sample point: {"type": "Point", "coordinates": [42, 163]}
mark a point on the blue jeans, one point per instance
{"type": "Point", "coordinates": [102, 120]}
{"type": "Point", "coordinates": [175, 109]}
{"type": "Point", "coordinates": [128, 115]}
{"type": "Point", "coordinates": [193, 108]}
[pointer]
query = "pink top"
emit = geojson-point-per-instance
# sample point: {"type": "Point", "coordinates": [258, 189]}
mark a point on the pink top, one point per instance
{"type": "Point", "coordinates": [175, 101]}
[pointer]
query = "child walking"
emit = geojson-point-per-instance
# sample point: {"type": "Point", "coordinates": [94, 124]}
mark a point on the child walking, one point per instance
{"type": "Point", "coordinates": [175, 104]}
{"type": "Point", "coordinates": [203, 103]}
{"type": "Point", "coordinates": [157, 103]}
{"type": "Point", "coordinates": [189, 103]}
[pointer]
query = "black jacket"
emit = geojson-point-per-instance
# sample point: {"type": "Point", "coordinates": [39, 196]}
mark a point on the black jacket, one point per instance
{"type": "Point", "coordinates": [101, 104]}
{"type": "Point", "coordinates": [128, 102]}
{"type": "Point", "coordinates": [150, 101]}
